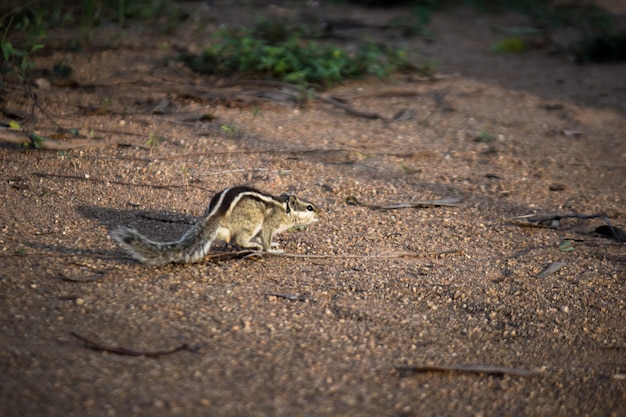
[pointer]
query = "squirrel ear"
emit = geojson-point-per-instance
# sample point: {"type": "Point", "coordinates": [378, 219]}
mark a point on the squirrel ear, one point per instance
{"type": "Point", "coordinates": [288, 199]}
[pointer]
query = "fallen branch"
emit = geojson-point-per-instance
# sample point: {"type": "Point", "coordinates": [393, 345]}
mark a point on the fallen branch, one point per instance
{"type": "Point", "coordinates": [611, 232]}
{"type": "Point", "coordinates": [90, 344]}
{"type": "Point", "coordinates": [447, 202]}
{"type": "Point", "coordinates": [471, 369]}
{"type": "Point", "coordinates": [245, 254]}
{"type": "Point", "coordinates": [352, 110]}
{"type": "Point", "coordinates": [333, 101]}
{"type": "Point", "coordinates": [19, 137]}
{"type": "Point", "coordinates": [535, 220]}
{"type": "Point", "coordinates": [291, 297]}
{"type": "Point", "coordinates": [552, 221]}
{"type": "Point", "coordinates": [371, 257]}
{"type": "Point", "coordinates": [98, 275]}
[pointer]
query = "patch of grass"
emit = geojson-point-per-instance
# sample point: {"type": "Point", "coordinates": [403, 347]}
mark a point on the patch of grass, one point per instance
{"type": "Point", "coordinates": [289, 58]}
{"type": "Point", "coordinates": [231, 131]}
{"type": "Point", "coordinates": [408, 170]}
{"type": "Point", "coordinates": [485, 137]}
{"type": "Point", "coordinates": [153, 140]}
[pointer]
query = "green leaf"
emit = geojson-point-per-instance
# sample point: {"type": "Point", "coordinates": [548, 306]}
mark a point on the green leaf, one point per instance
{"type": "Point", "coordinates": [13, 125]}
{"type": "Point", "coordinates": [566, 246]}
{"type": "Point", "coordinates": [7, 50]}
{"type": "Point", "coordinates": [36, 140]}
{"type": "Point", "coordinates": [512, 44]}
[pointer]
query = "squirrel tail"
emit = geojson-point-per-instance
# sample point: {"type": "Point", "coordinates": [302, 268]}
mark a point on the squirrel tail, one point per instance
{"type": "Point", "coordinates": [192, 247]}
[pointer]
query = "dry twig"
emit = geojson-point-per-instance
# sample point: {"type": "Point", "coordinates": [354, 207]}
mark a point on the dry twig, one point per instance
{"type": "Point", "coordinates": [245, 254]}
{"type": "Point", "coordinates": [472, 369]}
{"type": "Point", "coordinates": [553, 221]}
{"type": "Point", "coordinates": [19, 137]}
{"type": "Point", "coordinates": [90, 344]}
{"type": "Point", "coordinates": [447, 202]}
{"type": "Point", "coordinates": [290, 297]}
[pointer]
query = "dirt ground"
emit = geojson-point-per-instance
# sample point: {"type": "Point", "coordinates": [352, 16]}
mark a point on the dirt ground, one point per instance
{"type": "Point", "coordinates": [326, 335]}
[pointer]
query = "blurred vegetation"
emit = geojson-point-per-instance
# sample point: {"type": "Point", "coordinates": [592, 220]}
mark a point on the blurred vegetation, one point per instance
{"type": "Point", "coordinates": [277, 50]}
{"type": "Point", "coordinates": [290, 52]}
{"type": "Point", "coordinates": [24, 25]}
{"type": "Point", "coordinates": [38, 15]}
{"type": "Point", "coordinates": [584, 15]}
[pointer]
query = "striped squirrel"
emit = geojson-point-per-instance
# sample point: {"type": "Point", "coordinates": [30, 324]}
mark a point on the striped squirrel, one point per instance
{"type": "Point", "coordinates": [237, 214]}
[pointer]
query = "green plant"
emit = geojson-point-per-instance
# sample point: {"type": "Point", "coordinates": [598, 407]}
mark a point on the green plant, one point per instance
{"type": "Point", "coordinates": [153, 140]}
{"type": "Point", "coordinates": [231, 131]}
{"type": "Point", "coordinates": [485, 137]}
{"type": "Point", "coordinates": [15, 59]}
{"type": "Point", "coordinates": [294, 60]}
{"type": "Point", "coordinates": [35, 141]}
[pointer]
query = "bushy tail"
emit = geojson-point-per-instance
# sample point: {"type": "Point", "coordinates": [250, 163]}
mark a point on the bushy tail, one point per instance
{"type": "Point", "coordinates": [192, 247]}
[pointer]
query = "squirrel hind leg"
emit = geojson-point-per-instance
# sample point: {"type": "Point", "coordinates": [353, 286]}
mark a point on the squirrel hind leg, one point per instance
{"type": "Point", "coordinates": [250, 245]}
{"type": "Point", "coordinates": [244, 240]}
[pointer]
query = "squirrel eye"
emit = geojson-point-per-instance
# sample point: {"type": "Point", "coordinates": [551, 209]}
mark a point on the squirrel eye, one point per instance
{"type": "Point", "coordinates": [309, 207]}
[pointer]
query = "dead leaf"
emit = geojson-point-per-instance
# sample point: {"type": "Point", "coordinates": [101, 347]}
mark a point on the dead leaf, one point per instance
{"type": "Point", "coordinates": [162, 107]}
{"type": "Point", "coordinates": [571, 132]}
{"type": "Point", "coordinates": [405, 114]}
{"type": "Point", "coordinates": [550, 269]}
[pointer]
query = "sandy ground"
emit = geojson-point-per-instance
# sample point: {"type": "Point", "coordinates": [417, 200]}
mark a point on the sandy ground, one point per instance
{"type": "Point", "coordinates": [381, 290]}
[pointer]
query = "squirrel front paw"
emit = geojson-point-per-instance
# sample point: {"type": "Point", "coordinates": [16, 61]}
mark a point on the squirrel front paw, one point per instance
{"type": "Point", "coordinates": [275, 250]}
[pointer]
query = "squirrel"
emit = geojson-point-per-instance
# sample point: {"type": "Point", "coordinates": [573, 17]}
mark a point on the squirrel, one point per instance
{"type": "Point", "coordinates": [239, 214]}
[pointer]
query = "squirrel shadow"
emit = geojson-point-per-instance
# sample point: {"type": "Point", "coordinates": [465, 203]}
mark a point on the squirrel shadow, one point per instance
{"type": "Point", "coordinates": [160, 225]}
